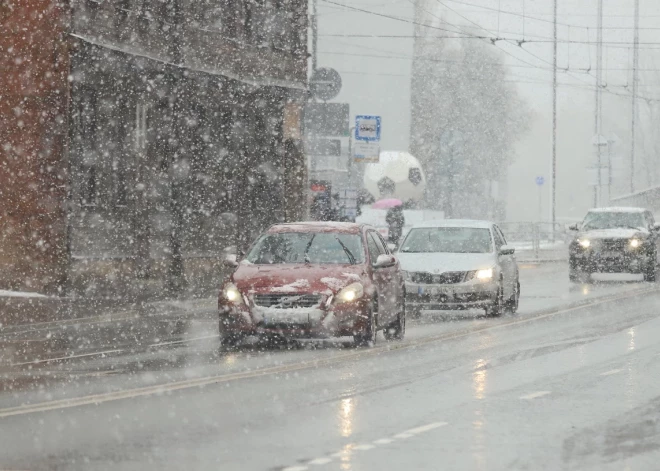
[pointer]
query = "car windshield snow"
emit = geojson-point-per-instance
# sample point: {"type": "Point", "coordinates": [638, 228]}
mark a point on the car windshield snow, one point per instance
{"type": "Point", "coordinates": [304, 247]}
{"type": "Point", "coordinates": [612, 220]}
{"type": "Point", "coordinates": [448, 240]}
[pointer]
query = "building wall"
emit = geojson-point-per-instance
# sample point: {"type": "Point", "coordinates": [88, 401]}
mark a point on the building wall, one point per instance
{"type": "Point", "coordinates": [179, 147]}
{"type": "Point", "coordinates": [33, 91]}
{"type": "Point", "coordinates": [176, 144]}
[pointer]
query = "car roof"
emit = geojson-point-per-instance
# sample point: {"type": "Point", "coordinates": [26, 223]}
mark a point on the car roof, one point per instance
{"type": "Point", "coordinates": [619, 209]}
{"type": "Point", "coordinates": [318, 226]}
{"type": "Point", "coordinates": [473, 223]}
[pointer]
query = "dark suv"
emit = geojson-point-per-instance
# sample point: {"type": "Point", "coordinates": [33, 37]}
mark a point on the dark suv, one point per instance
{"type": "Point", "coordinates": [615, 240]}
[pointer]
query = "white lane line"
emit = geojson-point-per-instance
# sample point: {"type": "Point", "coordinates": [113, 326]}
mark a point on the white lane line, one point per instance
{"type": "Point", "coordinates": [611, 372]}
{"type": "Point", "coordinates": [364, 447]}
{"type": "Point", "coordinates": [68, 357]}
{"type": "Point", "coordinates": [425, 428]}
{"type": "Point", "coordinates": [174, 342]}
{"type": "Point", "coordinates": [383, 441]}
{"type": "Point", "coordinates": [367, 446]}
{"type": "Point", "coordinates": [320, 461]}
{"type": "Point", "coordinates": [535, 395]}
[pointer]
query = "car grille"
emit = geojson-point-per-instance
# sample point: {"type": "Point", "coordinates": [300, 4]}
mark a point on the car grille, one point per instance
{"type": "Point", "coordinates": [449, 278]}
{"type": "Point", "coordinates": [614, 245]}
{"type": "Point", "coordinates": [287, 301]}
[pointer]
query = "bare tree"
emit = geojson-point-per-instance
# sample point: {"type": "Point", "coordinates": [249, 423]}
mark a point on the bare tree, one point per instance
{"type": "Point", "coordinates": [466, 118]}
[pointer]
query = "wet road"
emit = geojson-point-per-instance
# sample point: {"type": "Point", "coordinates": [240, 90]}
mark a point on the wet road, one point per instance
{"type": "Point", "coordinates": [570, 382]}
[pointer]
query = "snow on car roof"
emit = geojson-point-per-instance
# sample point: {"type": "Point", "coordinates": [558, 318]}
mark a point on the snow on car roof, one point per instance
{"type": "Point", "coordinates": [619, 209]}
{"type": "Point", "coordinates": [317, 226]}
{"type": "Point", "coordinates": [454, 223]}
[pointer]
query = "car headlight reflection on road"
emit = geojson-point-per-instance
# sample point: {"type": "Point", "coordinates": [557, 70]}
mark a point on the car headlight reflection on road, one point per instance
{"type": "Point", "coordinates": [634, 243]}
{"type": "Point", "coordinates": [232, 294]}
{"type": "Point", "coordinates": [485, 275]}
{"type": "Point", "coordinates": [584, 243]}
{"type": "Point", "coordinates": [349, 294]}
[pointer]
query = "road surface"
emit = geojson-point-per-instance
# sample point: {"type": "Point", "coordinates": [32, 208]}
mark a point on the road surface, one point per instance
{"type": "Point", "coordinates": [570, 382]}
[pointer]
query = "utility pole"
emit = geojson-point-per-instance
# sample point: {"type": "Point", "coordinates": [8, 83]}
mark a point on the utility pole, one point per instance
{"type": "Point", "coordinates": [554, 123]}
{"type": "Point", "coordinates": [599, 78]}
{"type": "Point", "coordinates": [315, 36]}
{"type": "Point", "coordinates": [175, 275]}
{"type": "Point", "coordinates": [634, 97]}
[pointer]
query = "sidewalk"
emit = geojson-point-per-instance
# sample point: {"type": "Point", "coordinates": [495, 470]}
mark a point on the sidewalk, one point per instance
{"type": "Point", "coordinates": [23, 309]}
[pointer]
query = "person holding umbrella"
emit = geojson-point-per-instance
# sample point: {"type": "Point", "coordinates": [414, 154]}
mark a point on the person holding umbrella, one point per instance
{"type": "Point", "coordinates": [394, 218]}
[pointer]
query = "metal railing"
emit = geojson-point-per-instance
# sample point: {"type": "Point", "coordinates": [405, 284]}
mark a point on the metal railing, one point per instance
{"type": "Point", "coordinates": [537, 240]}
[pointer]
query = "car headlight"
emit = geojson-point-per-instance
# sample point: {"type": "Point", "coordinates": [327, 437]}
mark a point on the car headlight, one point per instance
{"type": "Point", "coordinates": [584, 243]}
{"type": "Point", "coordinates": [485, 275]}
{"type": "Point", "coordinates": [351, 293]}
{"type": "Point", "coordinates": [232, 294]}
{"type": "Point", "coordinates": [634, 243]}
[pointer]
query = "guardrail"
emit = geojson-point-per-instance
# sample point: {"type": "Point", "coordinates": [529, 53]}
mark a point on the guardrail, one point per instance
{"type": "Point", "coordinates": [537, 240]}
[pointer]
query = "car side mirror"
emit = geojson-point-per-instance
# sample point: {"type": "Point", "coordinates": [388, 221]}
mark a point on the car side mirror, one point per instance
{"type": "Point", "coordinates": [384, 261]}
{"type": "Point", "coordinates": [573, 227]}
{"type": "Point", "coordinates": [507, 250]}
{"type": "Point", "coordinates": [230, 261]}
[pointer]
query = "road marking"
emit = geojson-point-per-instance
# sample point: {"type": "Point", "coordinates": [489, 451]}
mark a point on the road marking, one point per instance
{"type": "Point", "coordinates": [611, 372]}
{"type": "Point", "coordinates": [320, 461]}
{"type": "Point", "coordinates": [209, 380]}
{"type": "Point", "coordinates": [367, 446]}
{"type": "Point", "coordinates": [174, 342]}
{"type": "Point", "coordinates": [535, 395]}
{"type": "Point", "coordinates": [68, 357]}
{"type": "Point", "coordinates": [425, 428]}
{"type": "Point", "coordinates": [364, 447]}
{"type": "Point", "coordinates": [383, 441]}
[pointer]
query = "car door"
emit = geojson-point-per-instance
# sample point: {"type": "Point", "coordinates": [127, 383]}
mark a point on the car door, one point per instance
{"type": "Point", "coordinates": [381, 278]}
{"type": "Point", "coordinates": [506, 262]}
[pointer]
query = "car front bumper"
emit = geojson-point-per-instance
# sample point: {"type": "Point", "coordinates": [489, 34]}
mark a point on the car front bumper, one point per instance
{"type": "Point", "coordinates": [319, 322]}
{"type": "Point", "coordinates": [470, 295]}
{"type": "Point", "coordinates": [617, 262]}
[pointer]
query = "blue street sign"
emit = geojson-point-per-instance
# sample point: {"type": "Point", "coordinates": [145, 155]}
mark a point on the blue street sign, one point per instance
{"type": "Point", "coordinates": [540, 181]}
{"type": "Point", "coordinates": [367, 128]}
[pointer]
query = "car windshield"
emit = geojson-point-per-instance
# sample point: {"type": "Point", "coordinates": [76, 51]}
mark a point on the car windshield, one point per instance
{"type": "Point", "coordinates": [611, 220]}
{"type": "Point", "coordinates": [448, 240]}
{"type": "Point", "coordinates": [307, 247]}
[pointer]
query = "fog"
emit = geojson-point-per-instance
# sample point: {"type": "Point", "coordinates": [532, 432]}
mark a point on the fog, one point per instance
{"type": "Point", "coordinates": [381, 85]}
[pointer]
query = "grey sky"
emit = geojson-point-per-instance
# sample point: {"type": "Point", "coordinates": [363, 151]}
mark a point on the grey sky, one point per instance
{"type": "Point", "coordinates": [382, 85]}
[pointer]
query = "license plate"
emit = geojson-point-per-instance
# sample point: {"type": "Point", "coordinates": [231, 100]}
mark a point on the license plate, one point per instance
{"type": "Point", "coordinates": [610, 254]}
{"type": "Point", "coordinates": [437, 291]}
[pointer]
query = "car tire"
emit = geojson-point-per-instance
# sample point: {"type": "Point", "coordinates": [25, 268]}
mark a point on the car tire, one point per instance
{"type": "Point", "coordinates": [514, 300]}
{"type": "Point", "coordinates": [649, 273]}
{"type": "Point", "coordinates": [575, 275]}
{"type": "Point", "coordinates": [397, 329]}
{"type": "Point", "coordinates": [497, 308]}
{"type": "Point", "coordinates": [367, 338]}
{"type": "Point", "coordinates": [228, 340]}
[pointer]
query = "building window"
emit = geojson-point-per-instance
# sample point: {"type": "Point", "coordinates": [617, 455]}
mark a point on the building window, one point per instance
{"type": "Point", "coordinates": [89, 187]}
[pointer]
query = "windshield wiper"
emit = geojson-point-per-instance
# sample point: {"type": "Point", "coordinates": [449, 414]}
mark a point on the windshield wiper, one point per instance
{"type": "Point", "coordinates": [309, 244]}
{"type": "Point", "coordinates": [349, 254]}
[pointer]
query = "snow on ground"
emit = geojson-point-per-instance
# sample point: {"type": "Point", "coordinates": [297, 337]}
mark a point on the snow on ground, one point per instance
{"type": "Point", "coordinates": [20, 294]}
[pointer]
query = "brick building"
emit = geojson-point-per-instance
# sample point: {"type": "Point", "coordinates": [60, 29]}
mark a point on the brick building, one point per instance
{"type": "Point", "coordinates": [139, 138]}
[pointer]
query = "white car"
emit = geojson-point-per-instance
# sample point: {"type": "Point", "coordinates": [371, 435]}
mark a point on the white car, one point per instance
{"type": "Point", "coordinates": [459, 264]}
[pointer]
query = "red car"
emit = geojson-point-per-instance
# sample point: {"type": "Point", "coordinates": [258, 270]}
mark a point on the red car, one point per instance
{"type": "Point", "coordinates": [315, 280]}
